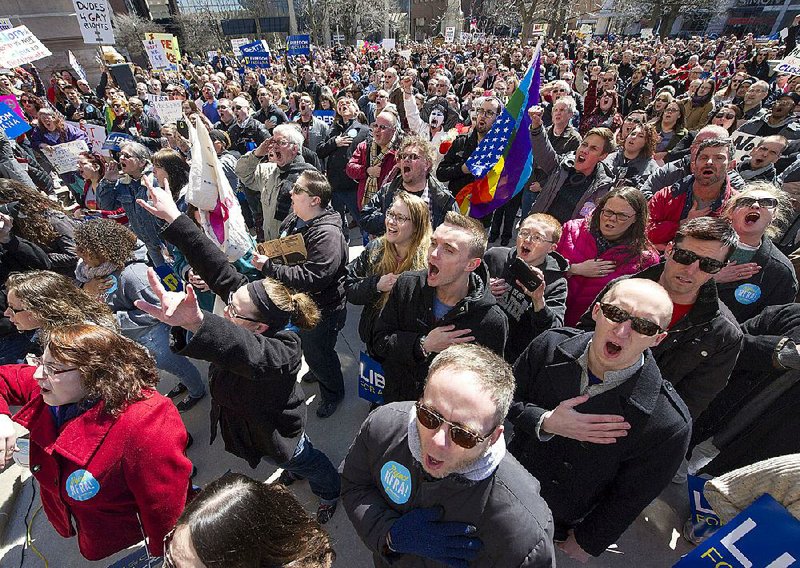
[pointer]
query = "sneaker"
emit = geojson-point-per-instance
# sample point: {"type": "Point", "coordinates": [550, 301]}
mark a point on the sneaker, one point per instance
{"type": "Point", "coordinates": [287, 477]}
{"type": "Point", "coordinates": [326, 408]}
{"type": "Point", "coordinates": [177, 390]}
{"type": "Point", "coordinates": [188, 403]}
{"type": "Point", "coordinates": [309, 377]}
{"type": "Point", "coordinates": [325, 512]}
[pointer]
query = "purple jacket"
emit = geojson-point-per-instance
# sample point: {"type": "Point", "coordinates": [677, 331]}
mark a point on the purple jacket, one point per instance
{"type": "Point", "coordinates": [41, 136]}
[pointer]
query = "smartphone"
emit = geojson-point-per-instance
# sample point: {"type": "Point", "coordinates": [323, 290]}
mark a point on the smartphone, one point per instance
{"type": "Point", "coordinates": [183, 128]}
{"type": "Point", "coordinates": [525, 275]}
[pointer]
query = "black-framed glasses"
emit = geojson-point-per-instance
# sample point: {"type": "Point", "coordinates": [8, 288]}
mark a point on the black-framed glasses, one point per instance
{"type": "Point", "coordinates": [687, 257]}
{"type": "Point", "coordinates": [397, 217]}
{"type": "Point", "coordinates": [409, 156]}
{"type": "Point", "coordinates": [484, 112]}
{"type": "Point", "coordinates": [640, 325]}
{"type": "Point", "coordinates": [616, 215]}
{"type": "Point", "coordinates": [48, 369]}
{"type": "Point", "coordinates": [232, 311]}
{"type": "Point", "coordinates": [460, 436]}
{"type": "Point", "coordinates": [15, 312]}
{"type": "Point", "coordinates": [528, 235]}
{"type": "Point", "coordinates": [766, 202]}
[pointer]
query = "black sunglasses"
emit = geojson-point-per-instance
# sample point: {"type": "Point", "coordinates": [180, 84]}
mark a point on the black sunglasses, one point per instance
{"type": "Point", "coordinates": [766, 202]}
{"type": "Point", "coordinates": [639, 325]}
{"type": "Point", "coordinates": [460, 435]}
{"type": "Point", "coordinates": [687, 257]}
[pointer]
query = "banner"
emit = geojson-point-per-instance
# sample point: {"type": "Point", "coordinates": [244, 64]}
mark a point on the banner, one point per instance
{"type": "Point", "coordinates": [237, 43]}
{"type": "Point", "coordinates": [77, 67]}
{"type": "Point", "coordinates": [11, 101]}
{"type": "Point", "coordinates": [64, 157]}
{"type": "Point", "coordinates": [168, 111]}
{"type": "Point", "coordinates": [370, 379]}
{"type": "Point", "coordinates": [95, 134]}
{"type": "Point", "coordinates": [255, 54]}
{"type": "Point", "coordinates": [157, 55]}
{"type": "Point", "coordinates": [94, 20]}
{"type": "Point", "coordinates": [19, 46]}
{"type": "Point", "coordinates": [170, 44]}
{"type": "Point", "coordinates": [763, 535]}
{"type": "Point", "coordinates": [298, 45]}
{"type": "Point", "coordinates": [325, 115]}
{"type": "Point", "coordinates": [790, 64]}
{"type": "Point", "coordinates": [168, 278]}
{"type": "Point", "coordinates": [11, 123]}
{"type": "Point", "coordinates": [449, 34]}
{"type": "Point", "coordinates": [115, 139]}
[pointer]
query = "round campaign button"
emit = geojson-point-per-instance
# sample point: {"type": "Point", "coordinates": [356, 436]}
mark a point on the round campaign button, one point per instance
{"type": "Point", "coordinates": [81, 485]}
{"type": "Point", "coordinates": [747, 293]}
{"type": "Point", "coordinates": [396, 481]}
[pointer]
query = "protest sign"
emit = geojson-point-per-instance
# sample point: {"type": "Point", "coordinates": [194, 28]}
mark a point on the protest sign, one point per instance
{"type": "Point", "coordinates": [5, 24]}
{"type": "Point", "coordinates": [19, 46]}
{"type": "Point", "coordinates": [157, 55]}
{"type": "Point", "coordinates": [790, 64]}
{"type": "Point", "coordinates": [325, 115]}
{"type": "Point", "coordinates": [168, 278]}
{"type": "Point", "coordinates": [95, 135]}
{"type": "Point", "coordinates": [370, 379]}
{"type": "Point", "coordinates": [170, 44]}
{"type": "Point", "coordinates": [11, 123]}
{"type": "Point", "coordinates": [211, 55]}
{"type": "Point", "coordinates": [115, 139]}
{"type": "Point", "coordinates": [465, 37]}
{"type": "Point", "coordinates": [298, 45]}
{"type": "Point", "coordinates": [704, 520]}
{"type": "Point", "coordinates": [743, 144]}
{"type": "Point", "coordinates": [539, 29]}
{"type": "Point", "coordinates": [77, 67]}
{"type": "Point", "coordinates": [94, 20]}
{"type": "Point", "coordinates": [388, 44]}
{"type": "Point", "coordinates": [237, 43]}
{"type": "Point", "coordinates": [449, 34]}
{"type": "Point", "coordinates": [11, 101]}
{"type": "Point", "coordinates": [168, 111]}
{"type": "Point", "coordinates": [646, 33]}
{"type": "Point", "coordinates": [764, 534]}
{"type": "Point", "coordinates": [64, 157]}
{"type": "Point", "coordinates": [255, 54]}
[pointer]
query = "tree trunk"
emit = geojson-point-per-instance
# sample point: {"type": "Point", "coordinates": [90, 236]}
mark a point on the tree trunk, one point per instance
{"type": "Point", "coordinates": [668, 20]}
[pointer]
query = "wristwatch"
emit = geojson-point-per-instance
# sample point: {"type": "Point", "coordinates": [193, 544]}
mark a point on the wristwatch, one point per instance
{"type": "Point", "coordinates": [425, 353]}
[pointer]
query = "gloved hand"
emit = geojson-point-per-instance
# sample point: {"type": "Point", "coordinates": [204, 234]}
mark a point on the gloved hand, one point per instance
{"type": "Point", "coordinates": [421, 533]}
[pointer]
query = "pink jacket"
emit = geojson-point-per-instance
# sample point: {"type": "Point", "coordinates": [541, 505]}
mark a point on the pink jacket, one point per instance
{"type": "Point", "coordinates": [577, 245]}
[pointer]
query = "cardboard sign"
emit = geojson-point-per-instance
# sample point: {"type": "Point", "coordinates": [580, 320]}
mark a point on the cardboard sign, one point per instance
{"type": "Point", "coordinates": [156, 55]}
{"type": "Point", "coordinates": [449, 34]}
{"type": "Point", "coordinates": [168, 111]}
{"type": "Point", "coordinates": [298, 45]}
{"type": "Point", "coordinates": [790, 64]}
{"type": "Point", "coordinates": [11, 123]}
{"type": "Point", "coordinates": [237, 43]}
{"type": "Point", "coordinates": [326, 115]}
{"type": "Point", "coordinates": [170, 44]}
{"type": "Point", "coordinates": [389, 44]}
{"type": "Point", "coordinates": [255, 54]}
{"type": "Point", "coordinates": [94, 20]}
{"type": "Point", "coordinates": [743, 144]}
{"type": "Point", "coordinates": [288, 250]}
{"type": "Point", "coordinates": [763, 535]}
{"type": "Point", "coordinates": [95, 134]}
{"type": "Point", "coordinates": [19, 46]}
{"type": "Point", "coordinates": [646, 33]}
{"type": "Point", "coordinates": [64, 157]}
{"type": "Point", "coordinates": [371, 379]}
{"type": "Point", "coordinates": [704, 520]}
{"type": "Point", "coordinates": [76, 66]}
{"type": "Point", "coordinates": [115, 139]}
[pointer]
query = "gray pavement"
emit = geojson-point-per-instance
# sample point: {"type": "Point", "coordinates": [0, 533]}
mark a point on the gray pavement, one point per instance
{"type": "Point", "coordinates": [652, 541]}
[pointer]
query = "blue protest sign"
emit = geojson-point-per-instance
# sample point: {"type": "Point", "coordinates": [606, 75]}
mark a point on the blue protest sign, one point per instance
{"type": "Point", "coordinates": [704, 520]}
{"type": "Point", "coordinates": [326, 115]}
{"type": "Point", "coordinates": [764, 534]}
{"type": "Point", "coordinates": [115, 139]}
{"type": "Point", "coordinates": [298, 45]}
{"type": "Point", "coordinates": [169, 279]}
{"type": "Point", "coordinates": [11, 123]}
{"type": "Point", "coordinates": [370, 379]}
{"type": "Point", "coordinates": [255, 54]}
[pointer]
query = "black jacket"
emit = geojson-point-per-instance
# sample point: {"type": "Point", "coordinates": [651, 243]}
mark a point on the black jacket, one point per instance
{"type": "Point", "coordinates": [322, 274]}
{"type": "Point", "coordinates": [255, 396]}
{"type": "Point", "coordinates": [17, 255]}
{"type": "Point", "coordinates": [373, 214]}
{"type": "Point", "coordinates": [272, 112]}
{"type": "Point", "coordinates": [61, 251]}
{"type": "Point", "coordinates": [524, 324]}
{"type": "Point", "coordinates": [449, 169]}
{"type": "Point", "coordinates": [599, 489]}
{"type": "Point", "coordinates": [701, 349]}
{"type": "Point", "coordinates": [774, 284]}
{"type": "Point", "coordinates": [251, 132]}
{"type": "Point", "coordinates": [408, 315]}
{"type": "Point", "coordinates": [337, 157]}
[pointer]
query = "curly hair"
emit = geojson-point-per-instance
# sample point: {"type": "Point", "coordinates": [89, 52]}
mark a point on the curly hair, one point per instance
{"type": "Point", "coordinates": [781, 214]}
{"type": "Point", "coordinates": [650, 136]}
{"type": "Point", "coordinates": [57, 301]}
{"type": "Point", "coordinates": [33, 224]}
{"type": "Point", "coordinates": [635, 238]}
{"type": "Point", "coordinates": [113, 368]}
{"type": "Point", "coordinates": [105, 239]}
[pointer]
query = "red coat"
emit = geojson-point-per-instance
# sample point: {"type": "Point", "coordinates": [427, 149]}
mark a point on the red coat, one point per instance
{"type": "Point", "coordinates": [578, 245]}
{"type": "Point", "coordinates": [129, 464]}
{"type": "Point", "coordinates": [356, 168]}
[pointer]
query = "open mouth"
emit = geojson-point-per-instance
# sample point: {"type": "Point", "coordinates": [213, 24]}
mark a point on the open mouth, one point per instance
{"type": "Point", "coordinates": [612, 349]}
{"type": "Point", "coordinates": [431, 463]}
{"type": "Point", "coordinates": [684, 280]}
{"type": "Point", "coordinates": [707, 171]}
{"type": "Point", "coordinates": [391, 230]}
{"type": "Point", "coordinates": [752, 218]}
{"type": "Point", "coordinates": [433, 270]}
{"type": "Point", "coordinates": [525, 250]}
{"type": "Point", "coordinates": [406, 169]}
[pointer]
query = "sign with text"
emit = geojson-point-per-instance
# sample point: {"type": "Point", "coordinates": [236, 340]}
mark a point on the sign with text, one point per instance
{"type": "Point", "coordinates": [95, 134]}
{"type": "Point", "coordinates": [76, 66]}
{"type": "Point", "coordinates": [255, 54]}
{"type": "Point", "coordinates": [94, 20]}
{"type": "Point", "coordinates": [11, 123]}
{"type": "Point", "coordinates": [11, 101]}
{"type": "Point", "coordinates": [389, 44]}
{"type": "Point", "coordinates": [790, 64]}
{"type": "Point", "coordinates": [168, 111]}
{"type": "Point", "coordinates": [325, 115]}
{"type": "Point", "coordinates": [64, 157]}
{"type": "Point", "coordinates": [237, 43]}
{"type": "Point", "coordinates": [704, 520]}
{"type": "Point", "coordinates": [449, 34]}
{"type": "Point", "coordinates": [5, 24]}
{"type": "Point", "coordinates": [115, 139]}
{"type": "Point", "coordinates": [157, 55]}
{"type": "Point", "coordinates": [19, 46]}
{"type": "Point", "coordinates": [170, 44]}
{"type": "Point", "coordinates": [763, 535]}
{"type": "Point", "coordinates": [743, 144]}
{"type": "Point", "coordinates": [370, 379]}
{"type": "Point", "coordinates": [298, 45]}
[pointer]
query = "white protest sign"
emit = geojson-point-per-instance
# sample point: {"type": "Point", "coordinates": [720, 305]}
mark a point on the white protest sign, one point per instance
{"type": "Point", "coordinates": [539, 29]}
{"type": "Point", "coordinates": [19, 46]}
{"type": "Point", "coordinates": [94, 19]}
{"type": "Point", "coordinates": [790, 64]}
{"type": "Point", "coordinates": [449, 34]}
{"type": "Point", "coordinates": [465, 37]}
{"type": "Point", "coordinates": [168, 111]}
{"type": "Point", "coordinates": [96, 135]}
{"type": "Point", "coordinates": [646, 33]}
{"type": "Point", "coordinates": [64, 157]}
{"type": "Point", "coordinates": [237, 43]}
{"type": "Point", "coordinates": [405, 53]}
{"type": "Point", "coordinates": [73, 62]}
{"type": "Point", "coordinates": [743, 144]}
{"type": "Point", "coordinates": [388, 44]}
{"type": "Point", "coordinates": [156, 54]}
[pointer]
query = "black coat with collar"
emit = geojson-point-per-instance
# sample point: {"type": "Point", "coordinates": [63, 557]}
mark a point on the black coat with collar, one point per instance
{"type": "Point", "coordinates": [408, 315]}
{"type": "Point", "coordinates": [449, 169]}
{"type": "Point", "coordinates": [597, 489]}
{"type": "Point", "coordinates": [337, 156]}
{"type": "Point", "coordinates": [700, 350]}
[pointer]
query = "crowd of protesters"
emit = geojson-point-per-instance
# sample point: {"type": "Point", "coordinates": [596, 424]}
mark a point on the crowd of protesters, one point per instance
{"type": "Point", "coordinates": [539, 393]}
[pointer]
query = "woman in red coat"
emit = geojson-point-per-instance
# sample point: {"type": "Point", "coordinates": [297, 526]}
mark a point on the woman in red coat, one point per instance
{"type": "Point", "coordinates": [609, 243]}
{"type": "Point", "coordinates": [106, 448]}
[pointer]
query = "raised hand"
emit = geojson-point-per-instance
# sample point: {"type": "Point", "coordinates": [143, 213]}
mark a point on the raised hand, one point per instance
{"type": "Point", "coordinates": [178, 309]}
{"type": "Point", "coordinates": [161, 205]}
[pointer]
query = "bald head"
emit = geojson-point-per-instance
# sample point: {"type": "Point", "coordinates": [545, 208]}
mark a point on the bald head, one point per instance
{"type": "Point", "coordinates": [710, 132]}
{"type": "Point", "coordinates": [648, 296]}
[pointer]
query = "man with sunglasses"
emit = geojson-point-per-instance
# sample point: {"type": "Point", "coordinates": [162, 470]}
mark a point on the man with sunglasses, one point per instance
{"type": "Point", "coordinates": [595, 422]}
{"type": "Point", "coordinates": [246, 133]}
{"type": "Point", "coordinates": [430, 482]}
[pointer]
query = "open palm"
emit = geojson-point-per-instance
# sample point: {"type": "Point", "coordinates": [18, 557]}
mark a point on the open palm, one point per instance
{"type": "Point", "coordinates": [178, 309]}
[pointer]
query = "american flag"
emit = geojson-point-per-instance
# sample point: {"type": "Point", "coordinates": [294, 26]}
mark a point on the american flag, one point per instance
{"type": "Point", "coordinates": [491, 148]}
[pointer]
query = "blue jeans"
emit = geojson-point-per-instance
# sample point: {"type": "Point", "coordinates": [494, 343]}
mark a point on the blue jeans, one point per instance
{"type": "Point", "coordinates": [156, 340]}
{"type": "Point", "coordinates": [319, 349]}
{"type": "Point", "coordinates": [14, 347]}
{"type": "Point", "coordinates": [528, 199]}
{"type": "Point", "coordinates": [342, 201]}
{"type": "Point", "coordinates": [310, 463]}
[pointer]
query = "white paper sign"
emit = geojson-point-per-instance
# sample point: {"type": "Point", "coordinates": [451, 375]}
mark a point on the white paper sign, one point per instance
{"type": "Point", "coordinates": [237, 43]}
{"type": "Point", "coordinates": [168, 111]}
{"type": "Point", "coordinates": [646, 33]}
{"type": "Point", "coordinates": [19, 46]}
{"type": "Point", "coordinates": [156, 54]}
{"type": "Point", "coordinates": [743, 144]}
{"type": "Point", "coordinates": [449, 34]}
{"type": "Point", "coordinates": [73, 62]}
{"type": "Point", "coordinates": [5, 24]}
{"type": "Point", "coordinates": [64, 157]}
{"type": "Point", "coordinates": [94, 19]}
{"type": "Point", "coordinates": [790, 64]}
{"type": "Point", "coordinates": [96, 135]}
{"type": "Point", "coordinates": [388, 44]}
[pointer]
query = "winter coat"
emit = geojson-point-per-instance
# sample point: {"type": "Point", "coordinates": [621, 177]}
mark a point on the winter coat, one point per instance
{"type": "Point", "coordinates": [61, 250]}
{"type": "Point", "coordinates": [41, 136]}
{"type": "Point", "coordinates": [408, 316]}
{"type": "Point", "coordinates": [362, 289]}
{"type": "Point", "coordinates": [696, 117]}
{"type": "Point", "coordinates": [524, 324]}
{"type": "Point", "coordinates": [356, 168]}
{"type": "Point", "coordinates": [512, 521]}
{"type": "Point", "coordinates": [670, 205]}
{"type": "Point", "coordinates": [577, 245]}
{"type": "Point", "coordinates": [318, 131]}
{"type": "Point", "coordinates": [336, 157]}
{"type": "Point", "coordinates": [449, 169]}
{"type": "Point", "coordinates": [255, 397]}
{"type": "Point", "coordinates": [109, 479]}
{"type": "Point", "coordinates": [568, 142]}
{"type": "Point", "coordinates": [249, 135]}
{"type": "Point", "coordinates": [597, 489]}
{"type": "Point", "coordinates": [673, 172]}
{"type": "Point", "coordinates": [699, 353]}
{"type": "Point", "coordinates": [633, 172]}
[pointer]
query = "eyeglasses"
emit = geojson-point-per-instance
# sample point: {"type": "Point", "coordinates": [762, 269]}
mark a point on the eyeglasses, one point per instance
{"type": "Point", "coordinates": [237, 107]}
{"type": "Point", "coordinates": [729, 116]}
{"type": "Point", "coordinates": [687, 257]}
{"type": "Point", "coordinates": [484, 112]}
{"type": "Point", "coordinates": [766, 202]}
{"type": "Point", "coordinates": [616, 215]}
{"type": "Point", "coordinates": [397, 217]}
{"type": "Point", "coordinates": [639, 325]}
{"type": "Point", "coordinates": [527, 235]}
{"type": "Point", "coordinates": [634, 120]}
{"type": "Point", "coordinates": [15, 312]}
{"type": "Point", "coordinates": [49, 371]}
{"type": "Point", "coordinates": [382, 127]}
{"type": "Point", "coordinates": [458, 434]}
{"type": "Point", "coordinates": [282, 143]}
{"type": "Point", "coordinates": [232, 310]}
{"type": "Point", "coordinates": [411, 157]}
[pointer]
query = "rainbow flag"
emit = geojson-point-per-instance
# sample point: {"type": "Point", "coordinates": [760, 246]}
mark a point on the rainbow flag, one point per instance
{"type": "Point", "coordinates": [503, 162]}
